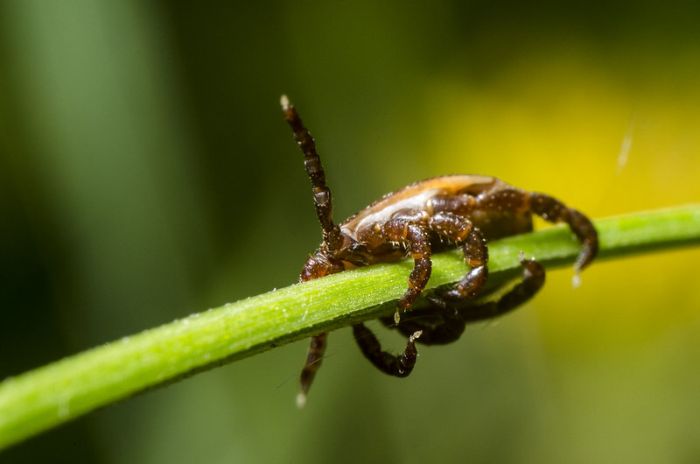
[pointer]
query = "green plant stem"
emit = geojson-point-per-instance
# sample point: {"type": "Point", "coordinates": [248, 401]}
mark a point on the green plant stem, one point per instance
{"type": "Point", "coordinates": [56, 393]}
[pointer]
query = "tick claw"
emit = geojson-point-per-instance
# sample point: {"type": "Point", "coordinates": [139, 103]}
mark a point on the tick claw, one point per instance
{"type": "Point", "coordinates": [416, 335]}
{"type": "Point", "coordinates": [576, 280]}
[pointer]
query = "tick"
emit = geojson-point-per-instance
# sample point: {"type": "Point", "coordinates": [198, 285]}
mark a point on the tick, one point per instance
{"type": "Point", "coordinates": [452, 211]}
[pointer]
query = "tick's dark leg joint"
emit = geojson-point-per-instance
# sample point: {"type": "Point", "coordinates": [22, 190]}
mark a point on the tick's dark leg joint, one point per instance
{"type": "Point", "coordinates": [451, 227]}
{"type": "Point", "coordinates": [319, 265]}
{"type": "Point", "coordinates": [397, 365]}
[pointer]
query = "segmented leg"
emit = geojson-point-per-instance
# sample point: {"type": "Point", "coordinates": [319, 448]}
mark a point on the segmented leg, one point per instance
{"type": "Point", "coordinates": [459, 230]}
{"type": "Point", "coordinates": [314, 169]}
{"type": "Point", "coordinates": [553, 210]}
{"type": "Point", "coordinates": [417, 241]}
{"type": "Point", "coordinates": [414, 236]}
{"type": "Point", "coordinates": [397, 365]}
{"type": "Point", "coordinates": [444, 321]}
{"type": "Point", "coordinates": [319, 264]}
{"type": "Point", "coordinates": [314, 358]}
{"type": "Point", "coordinates": [316, 266]}
{"type": "Point", "coordinates": [533, 280]}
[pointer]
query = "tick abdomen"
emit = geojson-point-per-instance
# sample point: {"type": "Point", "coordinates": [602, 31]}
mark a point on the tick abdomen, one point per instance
{"type": "Point", "coordinates": [492, 205]}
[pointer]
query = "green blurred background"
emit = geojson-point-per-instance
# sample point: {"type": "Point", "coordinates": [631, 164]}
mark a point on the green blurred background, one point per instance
{"type": "Point", "coordinates": [146, 173]}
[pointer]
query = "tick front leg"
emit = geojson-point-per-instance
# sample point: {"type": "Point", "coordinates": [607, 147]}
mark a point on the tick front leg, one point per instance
{"type": "Point", "coordinates": [397, 365]}
{"type": "Point", "coordinates": [459, 230]}
{"type": "Point", "coordinates": [314, 169]}
{"type": "Point", "coordinates": [316, 266]}
{"type": "Point", "coordinates": [414, 236]}
{"type": "Point", "coordinates": [553, 210]}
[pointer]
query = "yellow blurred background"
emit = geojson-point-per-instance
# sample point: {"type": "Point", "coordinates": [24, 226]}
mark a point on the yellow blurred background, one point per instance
{"type": "Point", "coordinates": [146, 173]}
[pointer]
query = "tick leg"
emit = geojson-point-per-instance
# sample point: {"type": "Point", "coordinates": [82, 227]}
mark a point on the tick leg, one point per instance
{"type": "Point", "coordinates": [316, 266]}
{"type": "Point", "coordinates": [314, 169]}
{"type": "Point", "coordinates": [444, 321]}
{"type": "Point", "coordinates": [314, 357]}
{"type": "Point", "coordinates": [416, 239]}
{"type": "Point", "coordinates": [438, 324]}
{"type": "Point", "coordinates": [461, 231]}
{"type": "Point", "coordinates": [553, 210]}
{"type": "Point", "coordinates": [414, 236]}
{"type": "Point", "coordinates": [533, 279]}
{"type": "Point", "coordinates": [397, 365]}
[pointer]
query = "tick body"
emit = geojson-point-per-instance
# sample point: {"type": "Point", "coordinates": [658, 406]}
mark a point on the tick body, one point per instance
{"type": "Point", "coordinates": [457, 211]}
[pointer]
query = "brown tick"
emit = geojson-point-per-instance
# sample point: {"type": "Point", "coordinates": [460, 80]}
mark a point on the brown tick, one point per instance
{"type": "Point", "coordinates": [427, 216]}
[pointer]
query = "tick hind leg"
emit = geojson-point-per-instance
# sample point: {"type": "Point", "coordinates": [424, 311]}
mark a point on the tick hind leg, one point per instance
{"type": "Point", "coordinates": [553, 210]}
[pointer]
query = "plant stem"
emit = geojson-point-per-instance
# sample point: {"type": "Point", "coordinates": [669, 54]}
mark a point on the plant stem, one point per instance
{"type": "Point", "coordinates": [56, 393]}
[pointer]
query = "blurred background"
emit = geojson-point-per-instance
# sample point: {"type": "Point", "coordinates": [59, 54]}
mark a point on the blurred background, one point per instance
{"type": "Point", "coordinates": [146, 173]}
